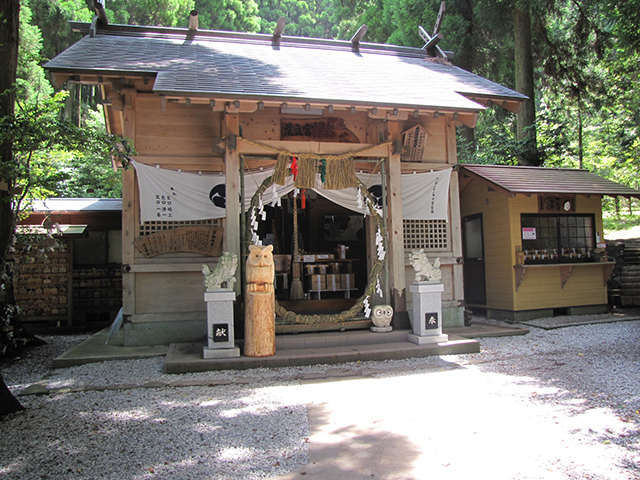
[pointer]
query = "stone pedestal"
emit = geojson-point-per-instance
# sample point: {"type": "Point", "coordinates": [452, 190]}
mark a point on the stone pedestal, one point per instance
{"type": "Point", "coordinates": [220, 333]}
{"type": "Point", "coordinates": [427, 313]}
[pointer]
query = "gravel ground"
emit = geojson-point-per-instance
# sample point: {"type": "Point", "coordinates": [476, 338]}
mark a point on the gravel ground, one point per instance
{"type": "Point", "coordinates": [561, 403]}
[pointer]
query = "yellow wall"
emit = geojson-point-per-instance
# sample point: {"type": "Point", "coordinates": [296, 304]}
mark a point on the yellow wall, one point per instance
{"type": "Point", "coordinates": [494, 206]}
{"type": "Point", "coordinates": [541, 287]}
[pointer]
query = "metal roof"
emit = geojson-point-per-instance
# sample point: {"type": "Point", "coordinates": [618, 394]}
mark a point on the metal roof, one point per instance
{"type": "Point", "coordinates": [527, 180]}
{"type": "Point", "coordinates": [77, 205]}
{"type": "Point", "coordinates": [241, 65]}
{"type": "Point", "coordinates": [59, 230]}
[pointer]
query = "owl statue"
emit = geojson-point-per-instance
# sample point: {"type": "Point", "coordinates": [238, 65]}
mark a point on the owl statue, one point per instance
{"type": "Point", "coordinates": [382, 315]}
{"type": "Point", "coordinates": [260, 269]}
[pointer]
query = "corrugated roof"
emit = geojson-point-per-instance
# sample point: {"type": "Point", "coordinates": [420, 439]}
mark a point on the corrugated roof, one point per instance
{"type": "Point", "coordinates": [77, 204]}
{"type": "Point", "coordinates": [295, 69]}
{"type": "Point", "coordinates": [548, 180]}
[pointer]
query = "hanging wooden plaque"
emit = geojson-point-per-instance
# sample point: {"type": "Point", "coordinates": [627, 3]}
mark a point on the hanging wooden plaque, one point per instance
{"type": "Point", "coordinates": [324, 129]}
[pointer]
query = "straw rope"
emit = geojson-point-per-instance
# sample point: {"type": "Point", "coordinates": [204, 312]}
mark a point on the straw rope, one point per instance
{"type": "Point", "coordinates": [340, 170]}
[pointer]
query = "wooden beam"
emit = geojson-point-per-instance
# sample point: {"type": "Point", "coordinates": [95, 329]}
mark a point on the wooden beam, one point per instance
{"type": "Point", "coordinates": [193, 20]}
{"type": "Point", "coordinates": [455, 220]}
{"type": "Point", "coordinates": [231, 242]}
{"type": "Point", "coordinates": [436, 51]}
{"type": "Point", "coordinates": [436, 27]}
{"type": "Point", "coordinates": [129, 219]}
{"type": "Point", "coordinates": [101, 13]}
{"type": "Point", "coordinates": [395, 229]}
{"type": "Point", "coordinates": [431, 44]}
{"type": "Point", "coordinates": [277, 32]}
{"type": "Point", "coordinates": [357, 37]}
{"type": "Point", "coordinates": [326, 148]}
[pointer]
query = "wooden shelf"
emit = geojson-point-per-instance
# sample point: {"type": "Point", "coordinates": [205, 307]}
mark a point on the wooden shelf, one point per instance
{"type": "Point", "coordinates": [565, 270]}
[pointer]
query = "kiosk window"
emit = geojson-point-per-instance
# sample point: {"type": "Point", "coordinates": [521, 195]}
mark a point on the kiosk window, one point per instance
{"type": "Point", "coordinates": [557, 238]}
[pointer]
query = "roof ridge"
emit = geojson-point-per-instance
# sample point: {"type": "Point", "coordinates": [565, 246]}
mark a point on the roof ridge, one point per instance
{"type": "Point", "coordinates": [144, 31]}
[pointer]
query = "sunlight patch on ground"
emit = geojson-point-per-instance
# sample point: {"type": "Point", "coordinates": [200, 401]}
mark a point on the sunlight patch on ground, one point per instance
{"type": "Point", "coordinates": [633, 232]}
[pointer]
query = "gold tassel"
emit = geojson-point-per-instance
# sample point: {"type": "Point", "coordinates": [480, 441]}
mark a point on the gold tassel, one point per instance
{"type": "Point", "coordinates": [281, 171]}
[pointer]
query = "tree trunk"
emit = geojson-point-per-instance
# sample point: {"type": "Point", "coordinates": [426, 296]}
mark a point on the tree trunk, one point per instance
{"type": "Point", "coordinates": [8, 403]}
{"type": "Point", "coordinates": [526, 132]}
{"type": "Point", "coordinates": [10, 18]}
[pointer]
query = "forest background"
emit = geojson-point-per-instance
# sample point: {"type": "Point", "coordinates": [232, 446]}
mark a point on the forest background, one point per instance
{"type": "Point", "coordinates": [582, 56]}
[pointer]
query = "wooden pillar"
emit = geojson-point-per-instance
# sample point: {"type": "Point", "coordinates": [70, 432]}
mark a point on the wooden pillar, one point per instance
{"type": "Point", "coordinates": [231, 242]}
{"type": "Point", "coordinates": [455, 229]}
{"type": "Point", "coordinates": [395, 227]}
{"type": "Point", "coordinates": [129, 212]}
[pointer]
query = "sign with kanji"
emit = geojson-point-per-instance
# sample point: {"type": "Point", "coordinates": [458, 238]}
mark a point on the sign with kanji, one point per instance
{"type": "Point", "coordinates": [415, 141]}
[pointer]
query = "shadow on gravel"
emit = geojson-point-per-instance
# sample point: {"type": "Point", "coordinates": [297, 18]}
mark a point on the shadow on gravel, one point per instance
{"type": "Point", "coordinates": [221, 432]}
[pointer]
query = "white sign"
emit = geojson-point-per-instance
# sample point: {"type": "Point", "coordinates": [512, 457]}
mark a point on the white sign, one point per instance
{"type": "Point", "coordinates": [529, 233]}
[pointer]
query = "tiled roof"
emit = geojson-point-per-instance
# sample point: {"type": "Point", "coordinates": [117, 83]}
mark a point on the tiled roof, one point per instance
{"type": "Point", "coordinates": [77, 204]}
{"type": "Point", "coordinates": [548, 180]}
{"type": "Point", "coordinates": [251, 66]}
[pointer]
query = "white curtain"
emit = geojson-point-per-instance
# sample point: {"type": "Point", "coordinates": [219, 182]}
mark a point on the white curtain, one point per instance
{"type": "Point", "coordinates": [167, 195]}
{"type": "Point", "coordinates": [179, 196]}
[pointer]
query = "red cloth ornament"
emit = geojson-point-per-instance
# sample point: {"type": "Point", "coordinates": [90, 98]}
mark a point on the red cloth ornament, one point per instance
{"type": "Point", "coordinates": [303, 199]}
{"type": "Point", "coordinates": [294, 167]}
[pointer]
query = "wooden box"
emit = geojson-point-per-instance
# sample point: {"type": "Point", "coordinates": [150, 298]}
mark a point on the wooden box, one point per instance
{"type": "Point", "coordinates": [317, 282]}
{"type": "Point", "coordinates": [348, 281]}
{"type": "Point", "coordinates": [334, 282]}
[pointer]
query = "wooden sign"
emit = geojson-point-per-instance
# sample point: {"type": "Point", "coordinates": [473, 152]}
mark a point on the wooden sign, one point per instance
{"type": "Point", "coordinates": [415, 141]}
{"type": "Point", "coordinates": [557, 203]}
{"type": "Point", "coordinates": [202, 240]}
{"type": "Point", "coordinates": [324, 129]}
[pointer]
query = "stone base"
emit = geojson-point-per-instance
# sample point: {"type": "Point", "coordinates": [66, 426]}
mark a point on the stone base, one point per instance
{"type": "Point", "coordinates": [381, 329]}
{"type": "Point", "coordinates": [426, 339]}
{"type": "Point", "coordinates": [220, 352]}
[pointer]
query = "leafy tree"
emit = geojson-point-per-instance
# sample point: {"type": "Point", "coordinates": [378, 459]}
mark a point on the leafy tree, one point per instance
{"type": "Point", "coordinates": [233, 15]}
{"type": "Point", "coordinates": [167, 13]}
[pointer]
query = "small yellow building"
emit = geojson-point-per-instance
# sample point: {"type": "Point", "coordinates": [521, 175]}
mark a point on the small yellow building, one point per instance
{"type": "Point", "coordinates": [533, 240]}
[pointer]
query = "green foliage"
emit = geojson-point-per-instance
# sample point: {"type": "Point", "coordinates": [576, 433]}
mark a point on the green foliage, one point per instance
{"type": "Point", "coordinates": [48, 152]}
{"type": "Point", "coordinates": [232, 15]}
{"type": "Point", "coordinates": [31, 80]}
{"type": "Point", "coordinates": [318, 19]}
{"type": "Point", "coordinates": [618, 223]}
{"type": "Point", "coordinates": [167, 13]}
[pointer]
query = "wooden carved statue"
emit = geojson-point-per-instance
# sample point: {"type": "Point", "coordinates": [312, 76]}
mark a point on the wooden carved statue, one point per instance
{"type": "Point", "coordinates": [260, 303]}
{"type": "Point", "coordinates": [260, 269]}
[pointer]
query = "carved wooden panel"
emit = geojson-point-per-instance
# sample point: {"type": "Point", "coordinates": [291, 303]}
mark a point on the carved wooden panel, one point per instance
{"type": "Point", "coordinates": [205, 241]}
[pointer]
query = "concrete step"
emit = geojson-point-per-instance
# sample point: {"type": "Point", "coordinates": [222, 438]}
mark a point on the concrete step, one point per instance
{"type": "Point", "coordinates": [187, 357]}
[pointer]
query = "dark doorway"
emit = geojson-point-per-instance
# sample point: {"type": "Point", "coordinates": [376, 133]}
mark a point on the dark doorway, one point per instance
{"type": "Point", "coordinates": [473, 246]}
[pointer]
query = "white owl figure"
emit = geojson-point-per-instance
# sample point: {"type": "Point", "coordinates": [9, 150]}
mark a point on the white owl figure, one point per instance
{"type": "Point", "coordinates": [382, 315]}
